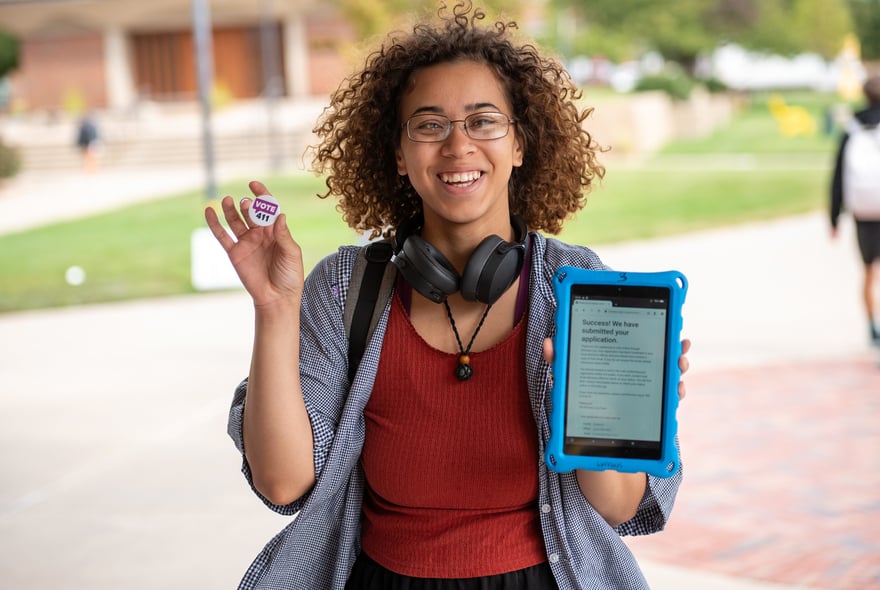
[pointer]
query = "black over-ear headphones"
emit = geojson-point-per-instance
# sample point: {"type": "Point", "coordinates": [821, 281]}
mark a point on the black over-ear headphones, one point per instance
{"type": "Point", "coordinates": [491, 269]}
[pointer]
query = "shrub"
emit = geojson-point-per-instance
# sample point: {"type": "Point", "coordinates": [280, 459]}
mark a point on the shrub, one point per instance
{"type": "Point", "coordinates": [10, 161]}
{"type": "Point", "coordinates": [9, 53]}
{"type": "Point", "coordinates": [714, 85]}
{"type": "Point", "coordinates": [676, 84]}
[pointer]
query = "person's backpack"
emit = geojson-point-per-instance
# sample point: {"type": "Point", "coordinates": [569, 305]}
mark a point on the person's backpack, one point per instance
{"type": "Point", "coordinates": [861, 171]}
{"type": "Point", "coordinates": [372, 280]}
{"type": "Point", "coordinates": [88, 133]}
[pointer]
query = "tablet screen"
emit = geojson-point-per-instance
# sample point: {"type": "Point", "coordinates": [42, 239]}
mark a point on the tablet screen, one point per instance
{"type": "Point", "coordinates": [616, 371]}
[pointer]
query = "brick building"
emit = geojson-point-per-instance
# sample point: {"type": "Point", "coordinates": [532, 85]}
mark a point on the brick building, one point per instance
{"type": "Point", "coordinates": [112, 54]}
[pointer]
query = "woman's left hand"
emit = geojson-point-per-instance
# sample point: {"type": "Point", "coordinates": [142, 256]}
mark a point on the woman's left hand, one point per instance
{"type": "Point", "coordinates": [683, 364]}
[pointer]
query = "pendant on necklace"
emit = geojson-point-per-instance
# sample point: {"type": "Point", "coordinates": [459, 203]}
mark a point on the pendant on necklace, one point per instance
{"type": "Point", "coordinates": [464, 371]}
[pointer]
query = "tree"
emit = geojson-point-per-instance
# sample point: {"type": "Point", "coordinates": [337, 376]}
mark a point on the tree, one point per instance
{"type": "Point", "coordinates": [821, 25]}
{"type": "Point", "coordinates": [758, 25]}
{"type": "Point", "coordinates": [682, 30]}
{"type": "Point", "coordinates": [792, 26]}
{"type": "Point", "coordinates": [10, 158]}
{"type": "Point", "coordinates": [673, 27]}
{"type": "Point", "coordinates": [866, 16]}
{"type": "Point", "coordinates": [375, 17]}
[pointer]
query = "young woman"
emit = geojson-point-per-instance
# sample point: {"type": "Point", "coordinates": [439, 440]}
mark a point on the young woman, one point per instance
{"type": "Point", "coordinates": [426, 470]}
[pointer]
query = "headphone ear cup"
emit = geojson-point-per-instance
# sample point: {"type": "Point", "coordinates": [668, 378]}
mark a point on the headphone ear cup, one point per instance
{"type": "Point", "coordinates": [491, 269]}
{"type": "Point", "coordinates": [426, 269]}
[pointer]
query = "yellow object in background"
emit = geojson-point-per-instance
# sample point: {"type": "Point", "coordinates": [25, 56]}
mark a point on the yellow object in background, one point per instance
{"type": "Point", "coordinates": [792, 120]}
{"type": "Point", "coordinates": [849, 86]}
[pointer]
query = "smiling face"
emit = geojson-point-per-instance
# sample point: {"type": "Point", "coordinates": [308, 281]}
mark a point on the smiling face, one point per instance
{"type": "Point", "coordinates": [460, 180]}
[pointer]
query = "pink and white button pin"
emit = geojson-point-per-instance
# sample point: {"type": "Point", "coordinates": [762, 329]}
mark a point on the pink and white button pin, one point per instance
{"type": "Point", "coordinates": [264, 210]}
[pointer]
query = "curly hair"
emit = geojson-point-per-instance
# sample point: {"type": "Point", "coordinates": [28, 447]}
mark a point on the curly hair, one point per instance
{"type": "Point", "coordinates": [360, 129]}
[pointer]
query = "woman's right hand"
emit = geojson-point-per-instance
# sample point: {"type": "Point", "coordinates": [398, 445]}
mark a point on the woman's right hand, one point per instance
{"type": "Point", "coordinates": [267, 259]}
{"type": "Point", "coordinates": [276, 429]}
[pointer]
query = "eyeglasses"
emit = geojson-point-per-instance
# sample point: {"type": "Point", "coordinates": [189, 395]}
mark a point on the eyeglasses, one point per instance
{"type": "Point", "coordinates": [429, 128]}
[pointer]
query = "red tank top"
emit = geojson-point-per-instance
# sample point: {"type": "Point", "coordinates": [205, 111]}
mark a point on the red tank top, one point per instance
{"type": "Point", "coordinates": [451, 467]}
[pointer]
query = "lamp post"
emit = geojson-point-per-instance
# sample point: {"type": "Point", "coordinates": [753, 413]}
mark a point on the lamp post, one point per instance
{"type": "Point", "coordinates": [271, 82]}
{"type": "Point", "coordinates": [205, 76]}
{"type": "Point", "coordinates": [210, 266]}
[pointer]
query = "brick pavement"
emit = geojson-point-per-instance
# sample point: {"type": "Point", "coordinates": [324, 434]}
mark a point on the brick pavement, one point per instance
{"type": "Point", "coordinates": [782, 475]}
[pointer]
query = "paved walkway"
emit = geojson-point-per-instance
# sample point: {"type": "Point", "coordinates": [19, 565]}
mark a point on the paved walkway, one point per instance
{"type": "Point", "coordinates": [782, 421]}
{"type": "Point", "coordinates": [791, 494]}
{"type": "Point", "coordinates": [118, 472]}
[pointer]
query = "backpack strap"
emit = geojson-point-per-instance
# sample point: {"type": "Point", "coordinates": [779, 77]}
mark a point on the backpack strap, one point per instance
{"type": "Point", "coordinates": [372, 280]}
{"type": "Point", "coordinates": [856, 126]}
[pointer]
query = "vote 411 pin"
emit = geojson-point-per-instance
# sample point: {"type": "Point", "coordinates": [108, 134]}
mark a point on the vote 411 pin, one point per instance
{"type": "Point", "coordinates": [264, 210]}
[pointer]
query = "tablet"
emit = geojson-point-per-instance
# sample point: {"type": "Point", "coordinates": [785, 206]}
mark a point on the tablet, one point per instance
{"type": "Point", "coordinates": [615, 371]}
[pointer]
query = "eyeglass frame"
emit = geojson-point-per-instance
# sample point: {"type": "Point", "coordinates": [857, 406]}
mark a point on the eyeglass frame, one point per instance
{"type": "Point", "coordinates": [464, 127]}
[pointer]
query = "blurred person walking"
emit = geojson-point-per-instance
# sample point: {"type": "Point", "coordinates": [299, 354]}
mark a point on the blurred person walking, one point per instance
{"type": "Point", "coordinates": [855, 188]}
{"type": "Point", "coordinates": [88, 140]}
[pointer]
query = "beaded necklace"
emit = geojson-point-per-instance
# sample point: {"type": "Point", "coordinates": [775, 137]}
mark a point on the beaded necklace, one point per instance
{"type": "Point", "coordinates": [464, 371]}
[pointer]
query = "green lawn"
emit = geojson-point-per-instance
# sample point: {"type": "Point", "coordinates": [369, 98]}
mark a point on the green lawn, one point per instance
{"type": "Point", "coordinates": [144, 250]}
{"type": "Point", "coordinates": [634, 204]}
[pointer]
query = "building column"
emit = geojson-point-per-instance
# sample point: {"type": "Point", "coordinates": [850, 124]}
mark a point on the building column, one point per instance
{"type": "Point", "coordinates": [296, 53]}
{"type": "Point", "coordinates": [119, 77]}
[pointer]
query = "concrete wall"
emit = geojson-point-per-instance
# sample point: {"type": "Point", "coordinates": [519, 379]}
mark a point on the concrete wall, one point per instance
{"type": "Point", "coordinates": [85, 47]}
{"type": "Point", "coordinates": [631, 125]}
{"type": "Point", "coordinates": [641, 123]}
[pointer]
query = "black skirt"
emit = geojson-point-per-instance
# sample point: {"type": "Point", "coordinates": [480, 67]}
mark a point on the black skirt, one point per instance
{"type": "Point", "coordinates": [369, 575]}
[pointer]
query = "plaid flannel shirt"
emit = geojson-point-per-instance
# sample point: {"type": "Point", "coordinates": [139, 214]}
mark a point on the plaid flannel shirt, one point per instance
{"type": "Point", "coordinates": [318, 548]}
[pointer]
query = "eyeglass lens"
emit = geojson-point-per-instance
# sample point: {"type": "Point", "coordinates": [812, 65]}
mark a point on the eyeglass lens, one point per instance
{"type": "Point", "coordinates": [431, 127]}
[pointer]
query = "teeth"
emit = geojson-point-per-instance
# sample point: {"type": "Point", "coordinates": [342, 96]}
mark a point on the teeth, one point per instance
{"type": "Point", "coordinates": [460, 177]}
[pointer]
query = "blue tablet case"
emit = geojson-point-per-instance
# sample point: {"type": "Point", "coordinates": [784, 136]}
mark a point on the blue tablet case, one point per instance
{"type": "Point", "coordinates": [557, 459]}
